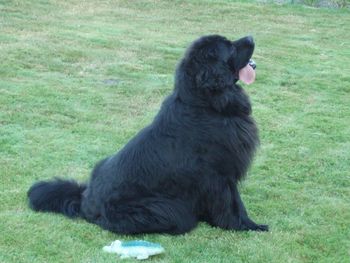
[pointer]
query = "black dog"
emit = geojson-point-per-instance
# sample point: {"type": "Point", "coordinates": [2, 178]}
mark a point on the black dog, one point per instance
{"type": "Point", "coordinates": [185, 166]}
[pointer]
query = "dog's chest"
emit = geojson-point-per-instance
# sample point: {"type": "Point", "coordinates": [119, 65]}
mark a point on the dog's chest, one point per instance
{"type": "Point", "coordinates": [234, 142]}
{"type": "Point", "coordinates": [233, 132]}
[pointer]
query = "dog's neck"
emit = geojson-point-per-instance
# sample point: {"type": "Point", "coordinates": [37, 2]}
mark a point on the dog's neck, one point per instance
{"type": "Point", "coordinates": [231, 101]}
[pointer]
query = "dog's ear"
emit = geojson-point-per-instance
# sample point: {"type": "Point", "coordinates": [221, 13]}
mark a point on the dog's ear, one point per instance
{"type": "Point", "coordinates": [216, 82]}
{"type": "Point", "coordinates": [209, 54]}
{"type": "Point", "coordinates": [213, 79]}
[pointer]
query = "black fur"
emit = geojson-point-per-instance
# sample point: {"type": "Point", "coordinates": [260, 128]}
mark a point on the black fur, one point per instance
{"type": "Point", "coordinates": [185, 166]}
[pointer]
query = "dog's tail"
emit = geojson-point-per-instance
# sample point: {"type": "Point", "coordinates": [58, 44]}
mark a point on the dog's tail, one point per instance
{"type": "Point", "coordinates": [58, 196]}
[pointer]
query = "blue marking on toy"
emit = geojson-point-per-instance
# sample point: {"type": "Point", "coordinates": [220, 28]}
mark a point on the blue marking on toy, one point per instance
{"type": "Point", "coordinates": [137, 243]}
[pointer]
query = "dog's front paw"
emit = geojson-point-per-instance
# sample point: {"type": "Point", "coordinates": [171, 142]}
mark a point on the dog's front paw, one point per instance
{"type": "Point", "coordinates": [251, 225]}
{"type": "Point", "coordinates": [261, 228]}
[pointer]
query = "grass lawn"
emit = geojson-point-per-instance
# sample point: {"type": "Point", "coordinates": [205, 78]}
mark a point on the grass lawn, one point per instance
{"type": "Point", "coordinates": [79, 78]}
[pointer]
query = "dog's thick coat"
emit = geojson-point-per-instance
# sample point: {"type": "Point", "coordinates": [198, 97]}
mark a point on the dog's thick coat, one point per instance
{"type": "Point", "coordinates": [185, 166]}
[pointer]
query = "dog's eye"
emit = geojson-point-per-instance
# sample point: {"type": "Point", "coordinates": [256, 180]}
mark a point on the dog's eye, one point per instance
{"type": "Point", "coordinates": [231, 54]}
{"type": "Point", "coordinates": [233, 51]}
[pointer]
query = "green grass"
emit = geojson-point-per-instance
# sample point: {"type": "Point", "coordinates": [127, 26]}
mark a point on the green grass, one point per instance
{"type": "Point", "coordinates": [79, 78]}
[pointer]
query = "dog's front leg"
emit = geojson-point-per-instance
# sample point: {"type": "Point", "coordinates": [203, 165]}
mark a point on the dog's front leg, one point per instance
{"type": "Point", "coordinates": [241, 215]}
{"type": "Point", "coordinates": [220, 212]}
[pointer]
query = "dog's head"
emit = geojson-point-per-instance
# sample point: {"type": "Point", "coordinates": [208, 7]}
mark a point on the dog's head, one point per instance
{"type": "Point", "coordinates": [216, 59]}
{"type": "Point", "coordinates": [213, 64]}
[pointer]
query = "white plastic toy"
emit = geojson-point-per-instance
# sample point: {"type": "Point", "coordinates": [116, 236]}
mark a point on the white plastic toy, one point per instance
{"type": "Point", "coordinates": [137, 249]}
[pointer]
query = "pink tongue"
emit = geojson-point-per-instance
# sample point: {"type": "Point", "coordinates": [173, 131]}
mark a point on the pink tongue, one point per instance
{"type": "Point", "coordinates": [247, 74]}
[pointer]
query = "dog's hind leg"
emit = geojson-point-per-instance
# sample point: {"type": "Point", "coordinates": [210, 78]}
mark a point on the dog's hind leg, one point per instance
{"type": "Point", "coordinates": [147, 215]}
